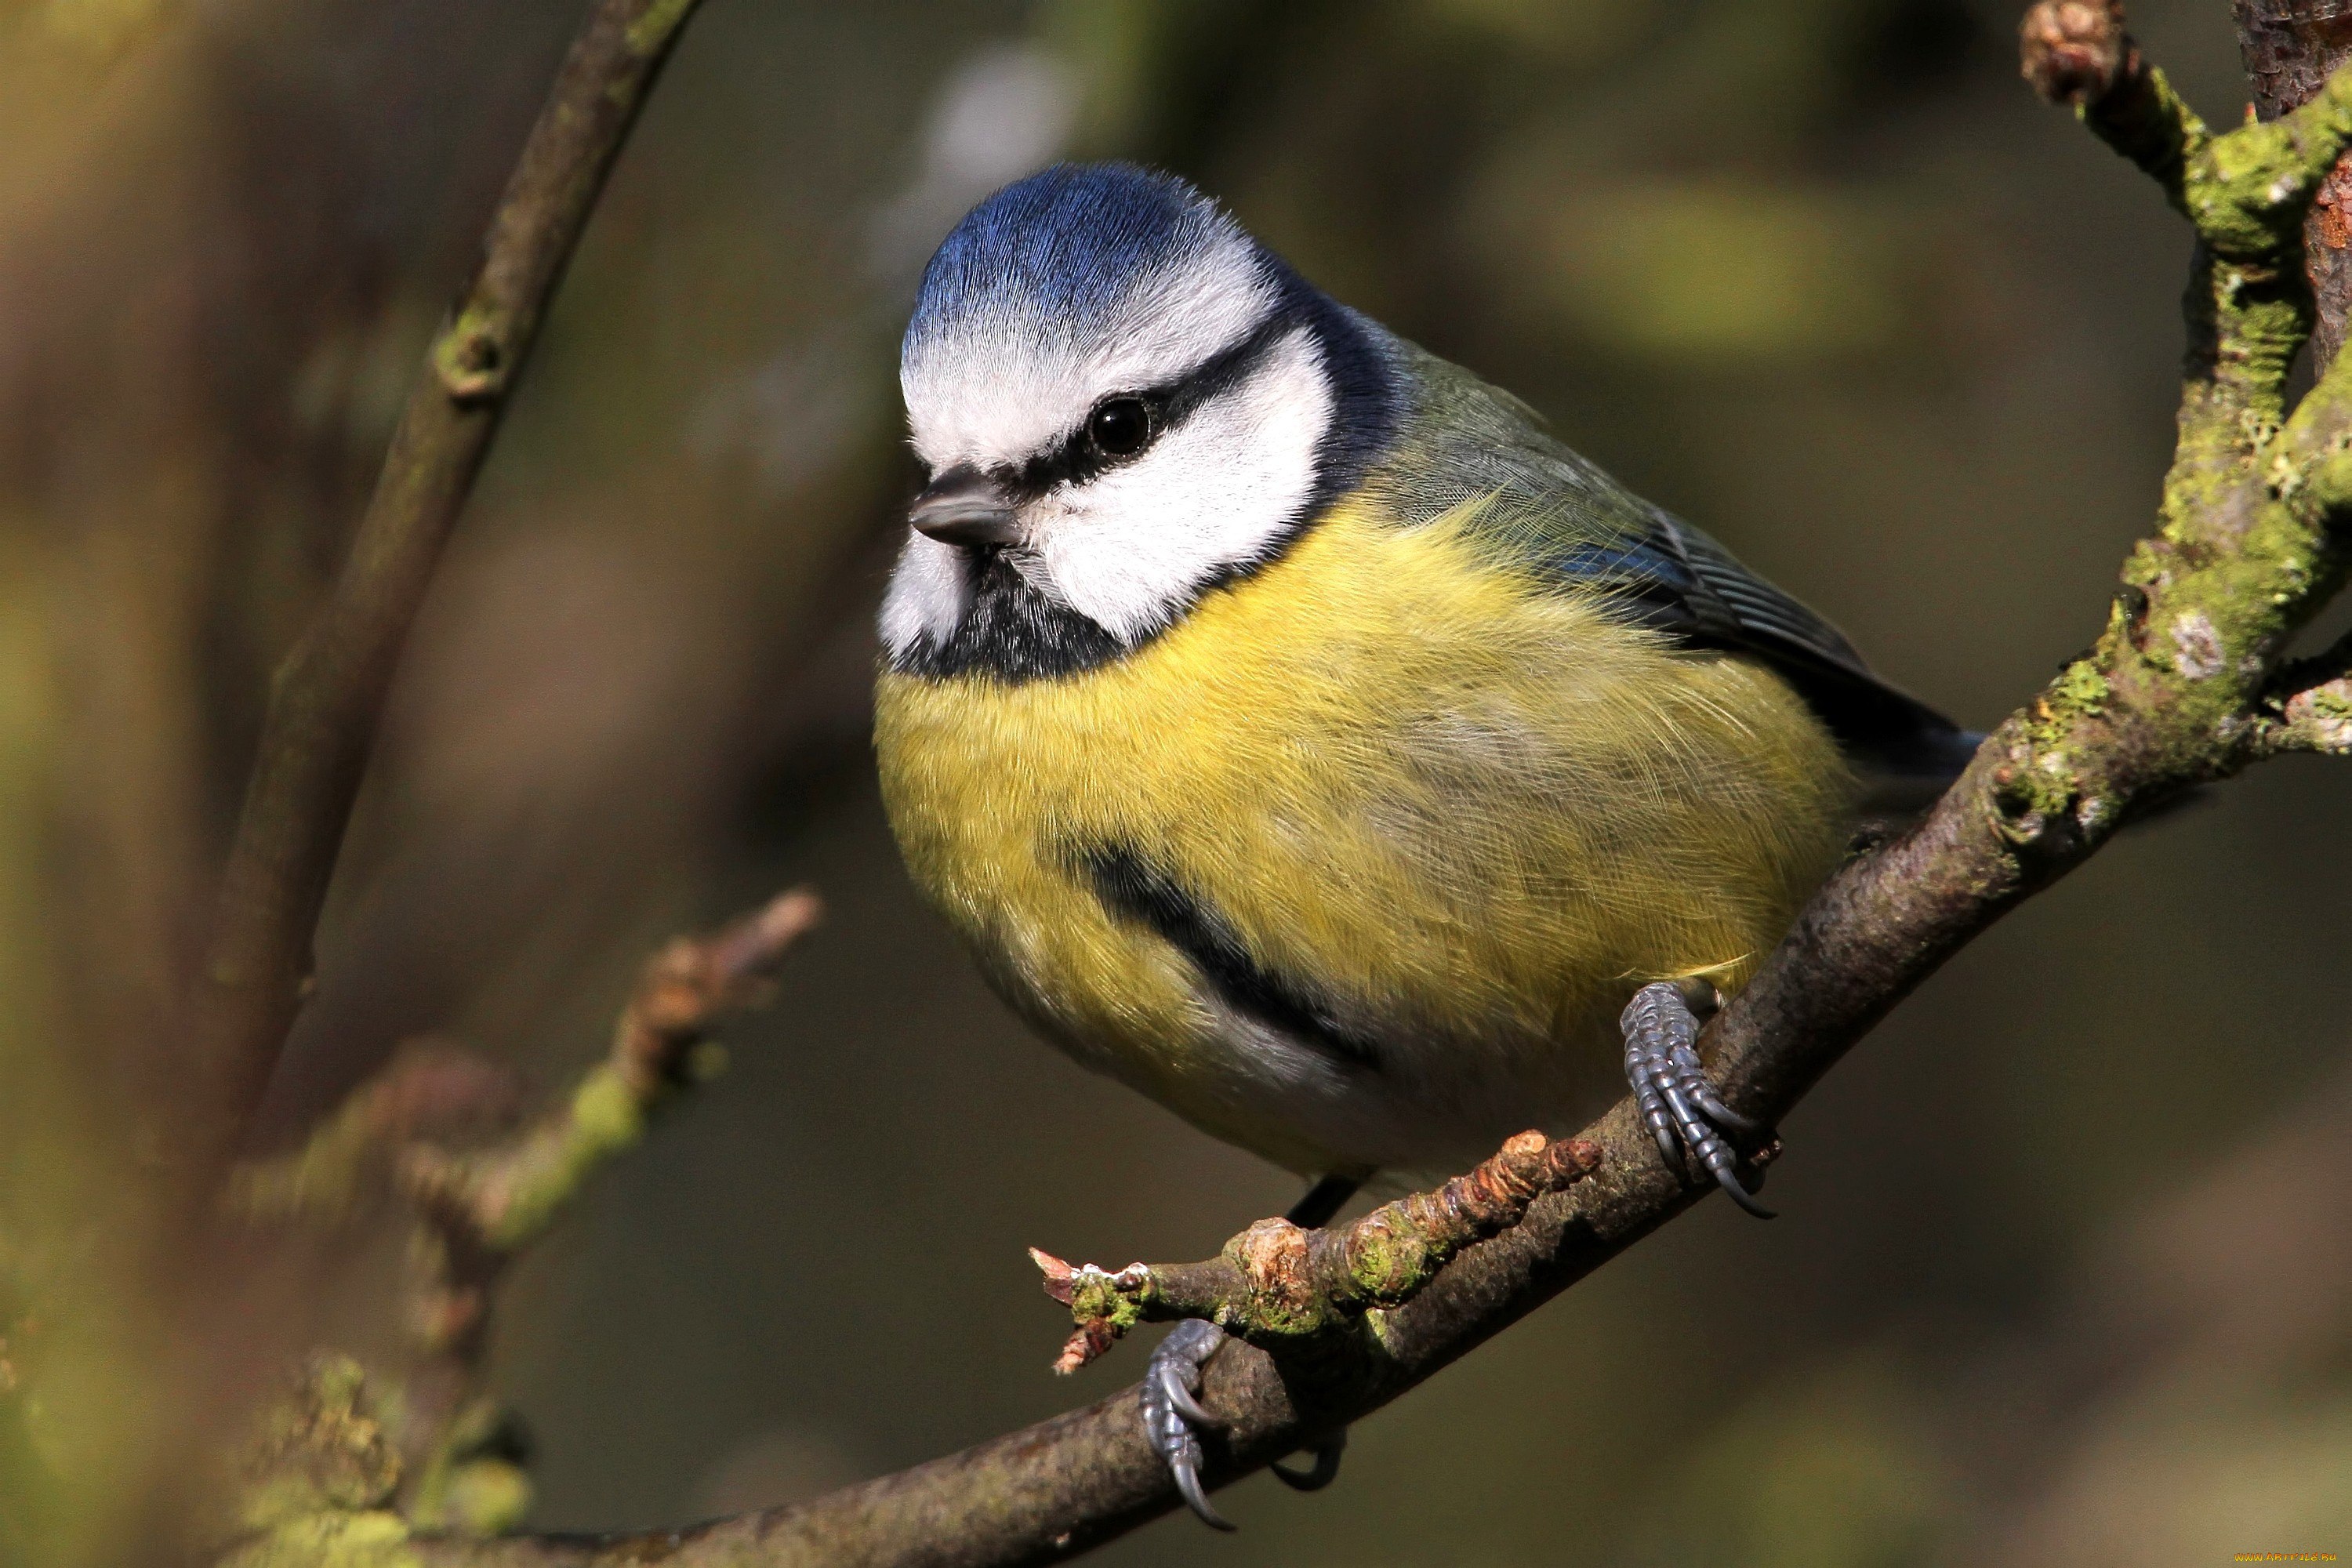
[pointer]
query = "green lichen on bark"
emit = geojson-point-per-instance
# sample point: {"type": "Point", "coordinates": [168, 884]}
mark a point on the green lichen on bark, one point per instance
{"type": "Point", "coordinates": [1290, 1288]}
{"type": "Point", "coordinates": [2150, 124]}
{"type": "Point", "coordinates": [475, 1483]}
{"type": "Point", "coordinates": [2247, 191]}
{"type": "Point", "coordinates": [319, 1478]}
{"type": "Point", "coordinates": [2245, 551]}
{"type": "Point", "coordinates": [375, 1538]}
{"type": "Point", "coordinates": [320, 1450]}
{"type": "Point", "coordinates": [1277, 1285]}
{"type": "Point", "coordinates": [651, 33]}
{"type": "Point", "coordinates": [1099, 1297]}
{"type": "Point", "coordinates": [332, 1483]}
{"type": "Point", "coordinates": [607, 1116]}
{"type": "Point", "coordinates": [470, 357]}
{"type": "Point", "coordinates": [325, 1175]}
{"type": "Point", "coordinates": [2331, 707]}
{"type": "Point", "coordinates": [2318, 719]}
{"type": "Point", "coordinates": [1390, 1259]}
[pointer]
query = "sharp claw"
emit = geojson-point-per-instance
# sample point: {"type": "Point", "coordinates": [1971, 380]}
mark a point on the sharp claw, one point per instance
{"type": "Point", "coordinates": [1722, 1114]}
{"type": "Point", "coordinates": [1691, 1079]}
{"type": "Point", "coordinates": [1741, 1195]}
{"type": "Point", "coordinates": [1654, 1115]}
{"type": "Point", "coordinates": [1326, 1470]}
{"type": "Point", "coordinates": [1188, 1481]}
{"type": "Point", "coordinates": [1171, 1412]}
{"type": "Point", "coordinates": [1681, 1109]}
{"type": "Point", "coordinates": [1661, 1128]}
{"type": "Point", "coordinates": [1172, 1389]}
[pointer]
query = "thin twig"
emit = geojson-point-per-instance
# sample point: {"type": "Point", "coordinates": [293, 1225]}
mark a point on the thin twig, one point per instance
{"type": "Point", "coordinates": [481, 1209]}
{"type": "Point", "coordinates": [2310, 708]}
{"type": "Point", "coordinates": [328, 696]}
{"type": "Point", "coordinates": [1276, 1283]}
{"type": "Point", "coordinates": [451, 1452]}
{"type": "Point", "coordinates": [485, 1205]}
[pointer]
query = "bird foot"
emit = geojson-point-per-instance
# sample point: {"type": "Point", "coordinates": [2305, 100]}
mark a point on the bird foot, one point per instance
{"type": "Point", "coordinates": [1173, 1416]}
{"type": "Point", "coordinates": [1173, 1412]}
{"type": "Point", "coordinates": [1682, 1111]}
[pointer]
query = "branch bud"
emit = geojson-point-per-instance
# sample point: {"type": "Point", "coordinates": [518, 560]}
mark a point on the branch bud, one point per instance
{"type": "Point", "coordinates": [2075, 51]}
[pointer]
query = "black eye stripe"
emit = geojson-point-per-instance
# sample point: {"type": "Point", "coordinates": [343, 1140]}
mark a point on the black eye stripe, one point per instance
{"type": "Point", "coordinates": [1169, 406]}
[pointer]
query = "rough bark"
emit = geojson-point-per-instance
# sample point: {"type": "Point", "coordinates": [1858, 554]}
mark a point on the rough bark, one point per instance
{"type": "Point", "coordinates": [2290, 47]}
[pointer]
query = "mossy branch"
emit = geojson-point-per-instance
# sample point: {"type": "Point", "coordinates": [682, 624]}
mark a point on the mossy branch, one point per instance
{"type": "Point", "coordinates": [1275, 1282]}
{"type": "Point", "coordinates": [433, 1090]}
{"type": "Point", "coordinates": [320, 1478]}
{"type": "Point", "coordinates": [2290, 47]}
{"type": "Point", "coordinates": [493, 1202]}
{"type": "Point", "coordinates": [2310, 708]}
{"type": "Point", "coordinates": [2179, 689]}
{"type": "Point", "coordinates": [479, 1210]}
{"type": "Point", "coordinates": [2077, 52]}
{"type": "Point", "coordinates": [453, 1456]}
{"type": "Point", "coordinates": [328, 696]}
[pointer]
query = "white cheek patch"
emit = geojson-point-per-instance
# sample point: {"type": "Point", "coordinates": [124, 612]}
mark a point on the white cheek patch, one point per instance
{"type": "Point", "coordinates": [928, 594]}
{"type": "Point", "coordinates": [1129, 548]}
{"type": "Point", "coordinates": [995, 391]}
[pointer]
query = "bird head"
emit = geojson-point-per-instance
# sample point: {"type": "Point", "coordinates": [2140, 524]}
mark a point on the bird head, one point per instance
{"type": "Point", "coordinates": [1121, 400]}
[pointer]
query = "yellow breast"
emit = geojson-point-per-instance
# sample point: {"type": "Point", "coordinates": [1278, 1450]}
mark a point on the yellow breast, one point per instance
{"type": "Point", "coordinates": [1475, 814]}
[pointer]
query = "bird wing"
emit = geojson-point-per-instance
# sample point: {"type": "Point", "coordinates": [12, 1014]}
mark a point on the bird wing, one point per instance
{"type": "Point", "coordinates": [1548, 512]}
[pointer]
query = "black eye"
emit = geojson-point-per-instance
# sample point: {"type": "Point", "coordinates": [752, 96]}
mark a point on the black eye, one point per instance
{"type": "Point", "coordinates": [1120, 427]}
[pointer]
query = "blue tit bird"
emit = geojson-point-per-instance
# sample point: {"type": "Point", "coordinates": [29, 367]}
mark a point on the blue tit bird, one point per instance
{"type": "Point", "coordinates": [1297, 732]}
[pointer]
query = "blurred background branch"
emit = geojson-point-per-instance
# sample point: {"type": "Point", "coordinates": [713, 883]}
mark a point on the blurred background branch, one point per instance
{"type": "Point", "coordinates": [452, 1458]}
{"type": "Point", "coordinates": [328, 698]}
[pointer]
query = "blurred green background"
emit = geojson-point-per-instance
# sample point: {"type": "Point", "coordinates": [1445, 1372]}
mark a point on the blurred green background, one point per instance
{"type": "Point", "coordinates": [2062, 1275]}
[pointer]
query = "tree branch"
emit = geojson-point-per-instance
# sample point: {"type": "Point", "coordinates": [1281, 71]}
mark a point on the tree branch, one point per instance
{"type": "Point", "coordinates": [1275, 1284]}
{"type": "Point", "coordinates": [488, 1205]}
{"type": "Point", "coordinates": [2290, 47]}
{"type": "Point", "coordinates": [2311, 705]}
{"type": "Point", "coordinates": [479, 1210]}
{"type": "Point", "coordinates": [2179, 689]}
{"type": "Point", "coordinates": [448, 1460]}
{"type": "Point", "coordinates": [328, 696]}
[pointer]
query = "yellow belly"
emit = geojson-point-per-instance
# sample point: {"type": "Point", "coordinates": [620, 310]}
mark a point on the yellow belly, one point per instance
{"type": "Point", "coordinates": [1478, 815]}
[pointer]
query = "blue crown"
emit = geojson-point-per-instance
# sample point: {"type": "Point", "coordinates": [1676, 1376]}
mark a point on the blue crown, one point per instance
{"type": "Point", "coordinates": [1065, 244]}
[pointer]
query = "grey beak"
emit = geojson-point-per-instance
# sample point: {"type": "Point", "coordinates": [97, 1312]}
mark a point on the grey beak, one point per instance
{"type": "Point", "coordinates": [964, 505]}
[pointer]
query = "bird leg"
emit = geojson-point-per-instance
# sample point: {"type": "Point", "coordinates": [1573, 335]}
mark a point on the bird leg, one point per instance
{"type": "Point", "coordinates": [1173, 1412]}
{"type": "Point", "coordinates": [1682, 1111]}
